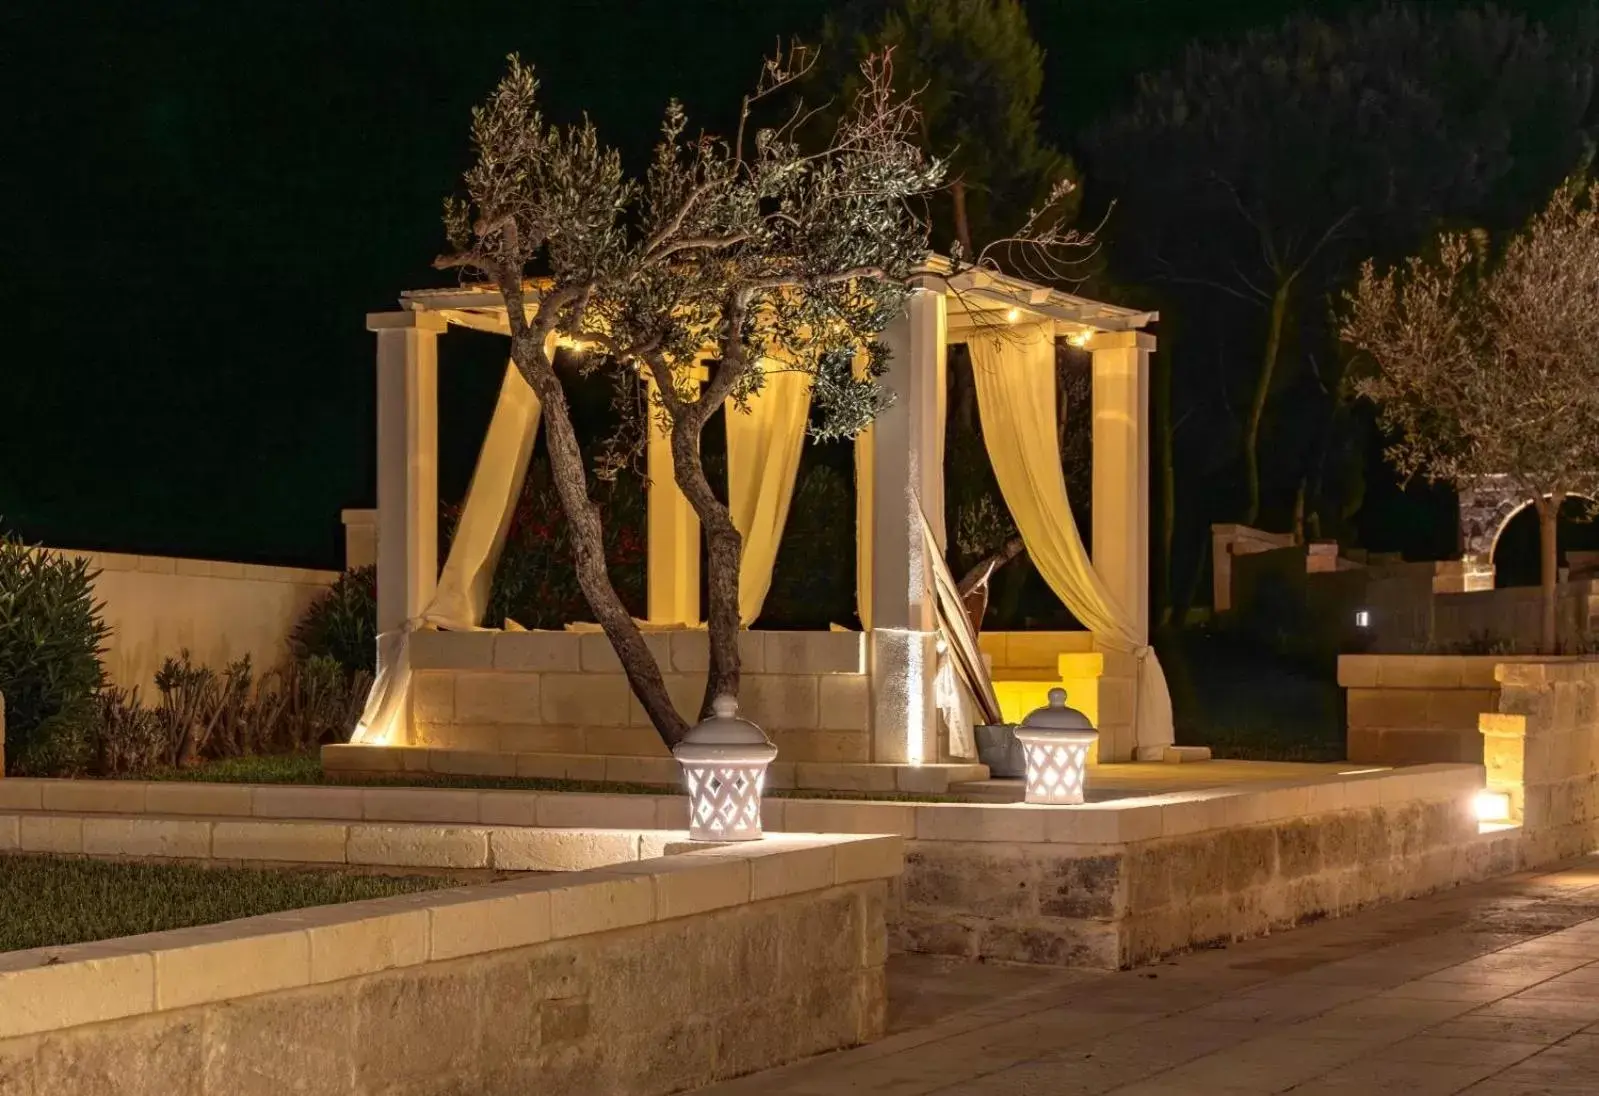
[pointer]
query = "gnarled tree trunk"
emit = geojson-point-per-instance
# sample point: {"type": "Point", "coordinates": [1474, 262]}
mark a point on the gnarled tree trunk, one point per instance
{"type": "Point", "coordinates": [570, 474]}
{"type": "Point", "coordinates": [723, 550]}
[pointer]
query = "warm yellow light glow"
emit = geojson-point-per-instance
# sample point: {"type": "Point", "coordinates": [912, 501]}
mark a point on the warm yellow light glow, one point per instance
{"type": "Point", "coordinates": [1492, 807]}
{"type": "Point", "coordinates": [1013, 315]}
{"type": "Point", "coordinates": [1080, 339]}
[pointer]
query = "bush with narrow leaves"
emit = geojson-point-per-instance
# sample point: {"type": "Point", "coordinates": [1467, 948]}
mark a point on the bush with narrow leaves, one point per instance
{"type": "Point", "coordinates": [342, 624]}
{"type": "Point", "coordinates": [204, 714]}
{"type": "Point", "coordinates": [52, 632]}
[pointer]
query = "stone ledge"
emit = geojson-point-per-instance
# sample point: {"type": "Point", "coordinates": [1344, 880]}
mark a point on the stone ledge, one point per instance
{"type": "Point", "coordinates": [48, 989]}
{"type": "Point", "coordinates": [1119, 821]}
{"type": "Point", "coordinates": [860, 776]}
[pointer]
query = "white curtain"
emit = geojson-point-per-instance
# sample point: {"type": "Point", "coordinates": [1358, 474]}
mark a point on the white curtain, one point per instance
{"type": "Point", "coordinates": [463, 593]}
{"type": "Point", "coordinates": [763, 454]}
{"type": "Point", "coordinates": [1015, 380]}
{"type": "Point", "coordinates": [865, 454]}
{"type": "Point", "coordinates": [462, 596]}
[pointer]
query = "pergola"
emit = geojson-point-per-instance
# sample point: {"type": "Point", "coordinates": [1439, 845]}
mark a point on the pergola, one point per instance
{"type": "Point", "coordinates": [900, 466]}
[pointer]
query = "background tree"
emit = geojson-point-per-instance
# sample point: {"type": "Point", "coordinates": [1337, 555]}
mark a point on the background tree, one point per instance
{"type": "Point", "coordinates": [1490, 366]}
{"type": "Point", "coordinates": [748, 250]}
{"type": "Point", "coordinates": [977, 74]}
{"type": "Point", "coordinates": [1252, 177]}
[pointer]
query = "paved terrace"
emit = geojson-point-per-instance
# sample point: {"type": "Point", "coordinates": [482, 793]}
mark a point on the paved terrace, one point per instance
{"type": "Point", "coordinates": [1491, 990]}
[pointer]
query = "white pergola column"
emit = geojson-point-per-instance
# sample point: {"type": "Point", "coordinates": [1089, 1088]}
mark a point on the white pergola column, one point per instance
{"type": "Point", "coordinates": [408, 463]}
{"type": "Point", "coordinates": [1121, 469]}
{"type": "Point", "coordinates": [907, 478]}
{"type": "Point", "coordinates": [672, 534]}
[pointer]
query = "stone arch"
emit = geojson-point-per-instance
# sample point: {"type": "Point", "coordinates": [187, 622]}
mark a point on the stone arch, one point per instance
{"type": "Point", "coordinates": [1485, 511]}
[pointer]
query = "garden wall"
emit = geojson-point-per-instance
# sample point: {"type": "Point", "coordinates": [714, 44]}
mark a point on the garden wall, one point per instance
{"type": "Point", "coordinates": [1106, 884]}
{"type": "Point", "coordinates": [1541, 748]}
{"type": "Point", "coordinates": [1121, 884]}
{"type": "Point", "coordinates": [1416, 709]}
{"type": "Point", "coordinates": [1513, 616]}
{"type": "Point", "coordinates": [1419, 709]}
{"type": "Point", "coordinates": [158, 606]}
{"type": "Point", "coordinates": [636, 979]}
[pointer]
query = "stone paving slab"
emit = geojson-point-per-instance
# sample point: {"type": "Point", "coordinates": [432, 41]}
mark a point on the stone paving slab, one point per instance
{"type": "Point", "coordinates": [1491, 990]}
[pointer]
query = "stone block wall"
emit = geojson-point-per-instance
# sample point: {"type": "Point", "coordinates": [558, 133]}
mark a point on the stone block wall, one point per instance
{"type": "Point", "coordinates": [1416, 709]}
{"type": "Point", "coordinates": [1542, 749]}
{"type": "Point", "coordinates": [1122, 884]}
{"type": "Point", "coordinates": [158, 606]}
{"type": "Point", "coordinates": [1514, 615]}
{"type": "Point", "coordinates": [564, 692]}
{"type": "Point", "coordinates": [642, 980]}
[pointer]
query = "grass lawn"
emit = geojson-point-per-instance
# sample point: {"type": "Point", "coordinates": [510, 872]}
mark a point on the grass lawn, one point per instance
{"type": "Point", "coordinates": [52, 901]}
{"type": "Point", "coordinates": [307, 769]}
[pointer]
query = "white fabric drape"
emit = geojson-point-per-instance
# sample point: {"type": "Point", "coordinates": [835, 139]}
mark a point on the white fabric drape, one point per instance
{"type": "Point", "coordinates": [864, 457]}
{"type": "Point", "coordinates": [1015, 380]}
{"type": "Point", "coordinates": [468, 573]}
{"type": "Point", "coordinates": [462, 595]}
{"type": "Point", "coordinates": [763, 454]}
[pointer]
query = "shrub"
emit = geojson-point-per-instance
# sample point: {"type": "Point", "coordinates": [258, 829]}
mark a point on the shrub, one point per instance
{"type": "Point", "coordinates": [205, 714]}
{"type": "Point", "coordinates": [813, 581]}
{"type": "Point", "coordinates": [342, 624]}
{"type": "Point", "coordinates": [536, 581]}
{"type": "Point", "coordinates": [51, 636]}
{"type": "Point", "coordinates": [128, 737]}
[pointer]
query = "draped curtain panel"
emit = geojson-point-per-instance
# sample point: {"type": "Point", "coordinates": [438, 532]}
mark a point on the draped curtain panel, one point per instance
{"type": "Point", "coordinates": [864, 471]}
{"type": "Point", "coordinates": [462, 596]}
{"type": "Point", "coordinates": [468, 573]}
{"type": "Point", "coordinates": [763, 454]}
{"type": "Point", "coordinates": [1015, 381]}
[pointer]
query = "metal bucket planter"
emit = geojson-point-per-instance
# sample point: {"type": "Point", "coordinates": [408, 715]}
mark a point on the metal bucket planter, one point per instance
{"type": "Point", "coordinates": [999, 749]}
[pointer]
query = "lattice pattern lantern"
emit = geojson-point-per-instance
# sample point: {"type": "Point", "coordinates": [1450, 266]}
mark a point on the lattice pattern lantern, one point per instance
{"type": "Point", "coordinates": [1056, 740]}
{"type": "Point", "coordinates": [724, 761]}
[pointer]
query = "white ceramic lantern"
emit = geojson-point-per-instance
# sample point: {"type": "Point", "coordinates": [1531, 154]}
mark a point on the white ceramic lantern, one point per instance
{"type": "Point", "coordinates": [1056, 740]}
{"type": "Point", "coordinates": [724, 761]}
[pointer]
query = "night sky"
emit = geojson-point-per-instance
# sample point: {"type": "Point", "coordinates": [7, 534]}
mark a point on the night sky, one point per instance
{"type": "Point", "coordinates": [203, 199]}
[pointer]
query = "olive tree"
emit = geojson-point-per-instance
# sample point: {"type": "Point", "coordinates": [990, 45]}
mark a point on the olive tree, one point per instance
{"type": "Point", "coordinates": [750, 253]}
{"type": "Point", "coordinates": [1489, 364]}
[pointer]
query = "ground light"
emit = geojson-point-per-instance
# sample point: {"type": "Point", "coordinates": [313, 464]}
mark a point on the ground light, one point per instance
{"type": "Point", "coordinates": [724, 760]}
{"type": "Point", "coordinates": [1056, 740]}
{"type": "Point", "coordinates": [1492, 806]}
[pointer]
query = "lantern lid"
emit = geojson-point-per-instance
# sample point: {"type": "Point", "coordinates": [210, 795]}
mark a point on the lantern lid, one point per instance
{"type": "Point", "coordinates": [1056, 716]}
{"type": "Point", "coordinates": [724, 727]}
{"type": "Point", "coordinates": [725, 737]}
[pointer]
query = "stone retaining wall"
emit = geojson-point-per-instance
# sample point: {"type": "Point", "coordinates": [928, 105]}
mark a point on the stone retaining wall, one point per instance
{"type": "Point", "coordinates": [1542, 750]}
{"type": "Point", "coordinates": [1203, 868]}
{"type": "Point", "coordinates": [1106, 885]}
{"type": "Point", "coordinates": [564, 693]}
{"type": "Point", "coordinates": [635, 979]}
{"type": "Point", "coordinates": [1416, 709]}
{"type": "Point", "coordinates": [1420, 709]}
